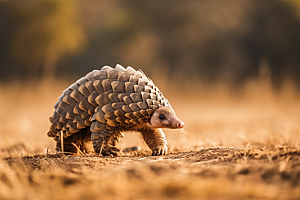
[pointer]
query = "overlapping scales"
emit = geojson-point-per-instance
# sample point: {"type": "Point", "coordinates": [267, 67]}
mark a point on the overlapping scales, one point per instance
{"type": "Point", "coordinates": [111, 97]}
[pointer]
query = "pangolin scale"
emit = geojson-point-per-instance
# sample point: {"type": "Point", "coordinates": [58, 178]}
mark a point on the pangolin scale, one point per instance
{"type": "Point", "coordinates": [106, 102]}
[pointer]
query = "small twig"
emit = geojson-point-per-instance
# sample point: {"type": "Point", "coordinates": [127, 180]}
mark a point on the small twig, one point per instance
{"type": "Point", "coordinates": [62, 142]}
{"type": "Point", "coordinates": [156, 159]}
{"type": "Point", "coordinates": [203, 162]}
{"type": "Point", "coordinates": [47, 152]}
{"type": "Point", "coordinates": [102, 143]}
{"type": "Point", "coordinates": [269, 157]}
{"type": "Point", "coordinates": [142, 158]}
{"type": "Point", "coordinates": [284, 164]}
{"type": "Point", "coordinates": [65, 152]}
{"type": "Point", "coordinates": [177, 159]}
{"type": "Point", "coordinates": [77, 148]}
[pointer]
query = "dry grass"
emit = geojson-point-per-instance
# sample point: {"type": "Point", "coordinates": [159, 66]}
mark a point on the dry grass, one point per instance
{"type": "Point", "coordinates": [262, 125]}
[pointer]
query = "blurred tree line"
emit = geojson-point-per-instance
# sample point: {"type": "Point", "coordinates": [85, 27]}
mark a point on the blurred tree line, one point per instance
{"type": "Point", "coordinates": [178, 40]}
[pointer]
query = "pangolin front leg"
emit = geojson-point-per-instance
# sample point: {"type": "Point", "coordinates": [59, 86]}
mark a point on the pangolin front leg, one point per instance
{"type": "Point", "coordinates": [106, 143]}
{"type": "Point", "coordinates": [156, 141]}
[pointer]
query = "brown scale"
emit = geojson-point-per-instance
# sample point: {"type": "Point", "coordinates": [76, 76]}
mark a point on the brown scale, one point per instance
{"type": "Point", "coordinates": [84, 105]}
{"type": "Point", "coordinates": [130, 115]}
{"type": "Point", "coordinates": [84, 115]}
{"type": "Point", "coordinates": [141, 119]}
{"type": "Point", "coordinates": [120, 114]}
{"type": "Point", "coordinates": [138, 88]}
{"type": "Point", "coordinates": [92, 97]}
{"type": "Point", "coordinates": [122, 95]}
{"type": "Point", "coordinates": [90, 86]}
{"type": "Point", "coordinates": [123, 77]}
{"type": "Point", "coordinates": [69, 100]}
{"type": "Point", "coordinates": [142, 105]}
{"type": "Point", "coordinates": [70, 114]}
{"type": "Point", "coordinates": [118, 87]}
{"type": "Point", "coordinates": [82, 81]}
{"type": "Point", "coordinates": [60, 125]}
{"type": "Point", "coordinates": [63, 118]}
{"type": "Point", "coordinates": [97, 127]}
{"type": "Point", "coordinates": [138, 74]}
{"type": "Point", "coordinates": [129, 87]}
{"type": "Point", "coordinates": [59, 110]}
{"type": "Point", "coordinates": [127, 109]}
{"type": "Point", "coordinates": [113, 73]}
{"type": "Point", "coordinates": [91, 110]}
{"type": "Point", "coordinates": [136, 97]}
{"type": "Point", "coordinates": [72, 127]}
{"type": "Point", "coordinates": [79, 122]}
{"type": "Point", "coordinates": [100, 74]}
{"type": "Point", "coordinates": [84, 91]}
{"type": "Point", "coordinates": [130, 70]}
{"type": "Point", "coordinates": [114, 97]}
{"type": "Point", "coordinates": [64, 106]}
{"type": "Point", "coordinates": [107, 84]}
{"type": "Point", "coordinates": [76, 95]}
{"type": "Point", "coordinates": [110, 116]}
{"type": "Point", "coordinates": [56, 117]}
{"type": "Point", "coordinates": [99, 116]}
{"type": "Point", "coordinates": [120, 68]}
{"type": "Point", "coordinates": [128, 100]}
{"type": "Point", "coordinates": [118, 105]}
{"type": "Point", "coordinates": [103, 99]}
{"type": "Point", "coordinates": [77, 110]}
{"type": "Point", "coordinates": [134, 107]}
{"type": "Point", "coordinates": [112, 123]}
{"type": "Point", "coordinates": [108, 108]}
{"type": "Point", "coordinates": [144, 113]}
{"type": "Point", "coordinates": [90, 75]}
{"type": "Point", "coordinates": [138, 114]}
{"type": "Point", "coordinates": [87, 122]}
{"type": "Point", "coordinates": [98, 86]}
{"type": "Point", "coordinates": [134, 121]}
{"type": "Point", "coordinates": [66, 91]}
{"type": "Point", "coordinates": [56, 104]}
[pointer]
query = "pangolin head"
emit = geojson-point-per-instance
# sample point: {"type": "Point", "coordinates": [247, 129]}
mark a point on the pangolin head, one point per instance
{"type": "Point", "coordinates": [164, 117]}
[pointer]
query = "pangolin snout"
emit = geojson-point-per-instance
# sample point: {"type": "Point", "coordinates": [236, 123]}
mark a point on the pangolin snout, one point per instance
{"type": "Point", "coordinates": [180, 124]}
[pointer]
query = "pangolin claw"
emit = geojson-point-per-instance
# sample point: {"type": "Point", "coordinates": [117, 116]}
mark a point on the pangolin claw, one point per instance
{"type": "Point", "coordinates": [110, 150]}
{"type": "Point", "coordinates": [160, 151]}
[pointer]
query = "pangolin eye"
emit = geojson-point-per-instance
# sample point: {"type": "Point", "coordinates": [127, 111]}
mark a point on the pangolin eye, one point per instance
{"type": "Point", "coordinates": [161, 117]}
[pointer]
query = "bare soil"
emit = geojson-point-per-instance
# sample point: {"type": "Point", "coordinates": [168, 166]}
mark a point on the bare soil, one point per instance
{"type": "Point", "coordinates": [218, 172]}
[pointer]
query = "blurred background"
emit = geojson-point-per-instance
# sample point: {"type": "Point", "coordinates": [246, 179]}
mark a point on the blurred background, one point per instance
{"type": "Point", "coordinates": [206, 56]}
{"type": "Point", "coordinates": [204, 40]}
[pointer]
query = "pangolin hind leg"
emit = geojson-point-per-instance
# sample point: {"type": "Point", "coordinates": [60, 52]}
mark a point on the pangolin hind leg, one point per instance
{"type": "Point", "coordinates": [156, 141]}
{"type": "Point", "coordinates": [86, 143]}
{"type": "Point", "coordinates": [80, 139]}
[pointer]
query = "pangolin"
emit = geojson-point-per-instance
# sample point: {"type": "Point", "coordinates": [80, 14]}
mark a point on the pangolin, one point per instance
{"type": "Point", "coordinates": [102, 105]}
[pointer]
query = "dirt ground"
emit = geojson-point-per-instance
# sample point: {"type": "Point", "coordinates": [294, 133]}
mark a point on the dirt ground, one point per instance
{"type": "Point", "coordinates": [231, 148]}
{"type": "Point", "coordinates": [217, 172]}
